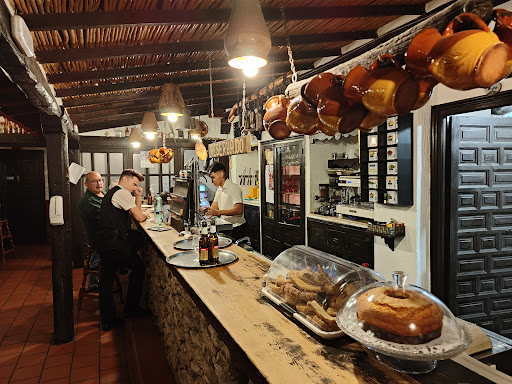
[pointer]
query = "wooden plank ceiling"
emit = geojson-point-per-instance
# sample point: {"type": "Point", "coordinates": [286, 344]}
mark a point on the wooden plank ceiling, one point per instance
{"type": "Point", "coordinates": [108, 59]}
{"type": "Point", "coordinates": [15, 104]}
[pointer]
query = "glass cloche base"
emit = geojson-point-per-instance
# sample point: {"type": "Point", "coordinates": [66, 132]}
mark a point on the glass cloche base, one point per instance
{"type": "Point", "coordinates": [407, 366]}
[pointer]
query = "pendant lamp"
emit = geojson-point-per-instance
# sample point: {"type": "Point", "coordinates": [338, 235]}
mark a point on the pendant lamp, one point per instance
{"type": "Point", "coordinates": [135, 137]}
{"type": "Point", "coordinates": [171, 102]}
{"type": "Point", "coordinates": [247, 41]}
{"type": "Point", "coordinates": [149, 125]}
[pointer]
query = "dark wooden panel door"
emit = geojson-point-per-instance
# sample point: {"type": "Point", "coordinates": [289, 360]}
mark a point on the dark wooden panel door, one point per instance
{"type": "Point", "coordinates": [480, 282]}
{"type": "Point", "coordinates": [23, 200]}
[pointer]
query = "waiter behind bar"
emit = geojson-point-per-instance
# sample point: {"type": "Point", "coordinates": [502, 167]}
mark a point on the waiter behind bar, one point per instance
{"type": "Point", "coordinates": [228, 201]}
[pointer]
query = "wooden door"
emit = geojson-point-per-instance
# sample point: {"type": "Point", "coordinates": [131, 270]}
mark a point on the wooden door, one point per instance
{"type": "Point", "coordinates": [22, 197]}
{"type": "Point", "coordinates": [480, 232]}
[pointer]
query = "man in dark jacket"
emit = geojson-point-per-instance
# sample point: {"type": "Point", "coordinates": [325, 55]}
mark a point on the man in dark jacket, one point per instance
{"type": "Point", "coordinates": [89, 208]}
{"type": "Point", "coordinates": [118, 244]}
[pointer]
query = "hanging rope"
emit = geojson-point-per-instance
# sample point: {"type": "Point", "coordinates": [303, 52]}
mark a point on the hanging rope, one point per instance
{"type": "Point", "coordinates": [211, 83]}
{"type": "Point", "coordinates": [288, 45]}
{"type": "Point", "coordinates": [244, 110]}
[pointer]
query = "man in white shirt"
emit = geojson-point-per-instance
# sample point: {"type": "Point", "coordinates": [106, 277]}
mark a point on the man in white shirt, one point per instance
{"type": "Point", "coordinates": [118, 244]}
{"type": "Point", "coordinates": [228, 202]}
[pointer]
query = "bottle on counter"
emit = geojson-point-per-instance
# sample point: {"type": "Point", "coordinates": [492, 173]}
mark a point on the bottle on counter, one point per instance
{"type": "Point", "coordinates": [204, 245]}
{"type": "Point", "coordinates": [159, 207]}
{"type": "Point", "coordinates": [150, 199]}
{"type": "Point", "coordinates": [213, 254]}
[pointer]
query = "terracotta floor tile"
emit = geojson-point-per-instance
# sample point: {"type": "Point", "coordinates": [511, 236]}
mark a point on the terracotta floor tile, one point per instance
{"type": "Point", "coordinates": [85, 360]}
{"type": "Point", "coordinates": [55, 361]}
{"type": "Point", "coordinates": [60, 349]}
{"type": "Point", "coordinates": [32, 348]}
{"type": "Point", "coordinates": [19, 331]}
{"type": "Point", "coordinates": [29, 360]}
{"type": "Point", "coordinates": [62, 380]}
{"type": "Point", "coordinates": [56, 372]}
{"type": "Point", "coordinates": [9, 359]}
{"type": "Point", "coordinates": [111, 362]}
{"type": "Point", "coordinates": [90, 381]}
{"type": "Point", "coordinates": [85, 373]}
{"type": "Point", "coordinates": [10, 349]}
{"type": "Point", "coordinates": [87, 349]}
{"type": "Point", "coordinates": [26, 373]}
{"type": "Point", "coordinates": [6, 370]}
{"type": "Point", "coordinates": [33, 380]}
{"type": "Point", "coordinates": [15, 339]}
{"type": "Point", "coordinates": [112, 375]}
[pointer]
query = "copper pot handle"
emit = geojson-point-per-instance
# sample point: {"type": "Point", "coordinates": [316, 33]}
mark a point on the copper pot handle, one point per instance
{"type": "Point", "coordinates": [478, 22]}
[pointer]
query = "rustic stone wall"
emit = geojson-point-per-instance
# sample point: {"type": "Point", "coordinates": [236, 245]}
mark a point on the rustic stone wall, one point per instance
{"type": "Point", "coordinates": [192, 346]}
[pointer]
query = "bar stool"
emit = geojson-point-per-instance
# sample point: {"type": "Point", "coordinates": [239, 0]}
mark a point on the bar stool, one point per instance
{"type": "Point", "coordinates": [5, 234]}
{"type": "Point", "coordinates": [94, 292]}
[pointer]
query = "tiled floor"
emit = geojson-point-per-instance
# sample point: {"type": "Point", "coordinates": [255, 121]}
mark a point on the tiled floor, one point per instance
{"type": "Point", "coordinates": [26, 324]}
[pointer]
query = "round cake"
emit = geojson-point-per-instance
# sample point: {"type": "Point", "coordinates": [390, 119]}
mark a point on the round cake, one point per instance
{"type": "Point", "coordinates": [400, 316]}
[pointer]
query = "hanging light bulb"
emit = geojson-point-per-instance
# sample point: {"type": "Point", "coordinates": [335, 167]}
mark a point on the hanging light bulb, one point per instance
{"type": "Point", "coordinates": [247, 41]}
{"type": "Point", "coordinates": [172, 117]}
{"type": "Point", "coordinates": [135, 137]}
{"type": "Point", "coordinates": [171, 102]}
{"type": "Point", "coordinates": [250, 71]}
{"type": "Point", "coordinates": [149, 125]}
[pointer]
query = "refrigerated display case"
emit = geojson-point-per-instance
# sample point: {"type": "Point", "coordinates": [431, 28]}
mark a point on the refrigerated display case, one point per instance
{"type": "Point", "coordinates": [282, 196]}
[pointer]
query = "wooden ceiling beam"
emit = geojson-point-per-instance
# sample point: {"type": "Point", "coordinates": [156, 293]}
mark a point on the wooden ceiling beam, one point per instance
{"type": "Point", "coordinates": [24, 71]}
{"type": "Point", "coordinates": [183, 80]}
{"type": "Point", "coordinates": [56, 21]}
{"type": "Point", "coordinates": [145, 104]}
{"type": "Point", "coordinates": [278, 60]}
{"type": "Point", "coordinates": [81, 101]}
{"type": "Point", "coordinates": [77, 54]}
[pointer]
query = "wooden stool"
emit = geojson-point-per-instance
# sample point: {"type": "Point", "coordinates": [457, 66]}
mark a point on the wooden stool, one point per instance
{"type": "Point", "coordinates": [5, 234]}
{"type": "Point", "coordinates": [94, 292]}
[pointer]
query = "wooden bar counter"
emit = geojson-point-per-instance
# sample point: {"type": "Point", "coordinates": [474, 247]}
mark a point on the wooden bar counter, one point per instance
{"type": "Point", "coordinates": [217, 328]}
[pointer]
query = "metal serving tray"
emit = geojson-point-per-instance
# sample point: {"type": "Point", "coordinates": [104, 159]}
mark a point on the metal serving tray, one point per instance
{"type": "Point", "coordinates": [190, 259]}
{"type": "Point", "coordinates": [188, 244]}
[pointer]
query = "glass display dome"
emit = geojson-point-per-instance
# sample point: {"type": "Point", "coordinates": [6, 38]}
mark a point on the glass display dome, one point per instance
{"type": "Point", "coordinates": [408, 327]}
{"type": "Point", "coordinates": [313, 286]}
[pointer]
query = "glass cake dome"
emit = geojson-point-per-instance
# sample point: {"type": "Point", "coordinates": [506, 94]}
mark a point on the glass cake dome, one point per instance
{"type": "Point", "coordinates": [313, 286]}
{"type": "Point", "coordinates": [408, 327]}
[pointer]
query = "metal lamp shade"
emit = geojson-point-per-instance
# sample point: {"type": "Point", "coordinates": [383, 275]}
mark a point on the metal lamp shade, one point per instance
{"type": "Point", "coordinates": [171, 101]}
{"type": "Point", "coordinates": [135, 136]}
{"type": "Point", "coordinates": [149, 123]}
{"type": "Point", "coordinates": [247, 37]}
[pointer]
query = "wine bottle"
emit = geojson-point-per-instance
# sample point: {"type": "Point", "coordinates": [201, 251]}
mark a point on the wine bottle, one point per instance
{"type": "Point", "coordinates": [204, 245]}
{"type": "Point", "coordinates": [213, 254]}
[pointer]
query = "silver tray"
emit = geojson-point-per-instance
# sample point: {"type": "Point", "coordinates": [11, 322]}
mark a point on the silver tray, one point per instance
{"type": "Point", "coordinates": [190, 259]}
{"type": "Point", "coordinates": [188, 244]}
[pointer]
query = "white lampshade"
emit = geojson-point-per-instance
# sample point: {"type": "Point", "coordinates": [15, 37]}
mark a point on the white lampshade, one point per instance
{"type": "Point", "coordinates": [247, 41]}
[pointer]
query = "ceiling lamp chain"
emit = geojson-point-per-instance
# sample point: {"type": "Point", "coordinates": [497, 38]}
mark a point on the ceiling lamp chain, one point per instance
{"type": "Point", "coordinates": [244, 111]}
{"type": "Point", "coordinates": [211, 84]}
{"type": "Point", "coordinates": [288, 45]}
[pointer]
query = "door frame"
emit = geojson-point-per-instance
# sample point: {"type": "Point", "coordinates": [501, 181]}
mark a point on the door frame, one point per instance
{"type": "Point", "coordinates": [440, 187]}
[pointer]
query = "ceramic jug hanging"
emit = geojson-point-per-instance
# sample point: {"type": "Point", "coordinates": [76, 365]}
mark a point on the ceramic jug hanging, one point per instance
{"type": "Point", "coordinates": [335, 111]}
{"type": "Point", "coordinates": [389, 90]}
{"type": "Point", "coordinates": [468, 59]}
{"type": "Point", "coordinates": [274, 119]}
{"type": "Point", "coordinates": [301, 115]}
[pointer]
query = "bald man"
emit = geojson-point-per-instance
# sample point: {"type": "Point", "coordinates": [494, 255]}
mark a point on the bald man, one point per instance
{"type": "Point", "coordinates": [89, 207]}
